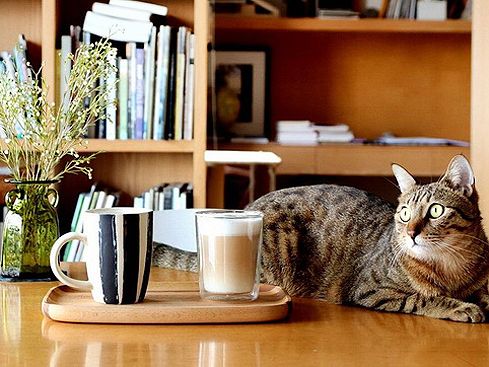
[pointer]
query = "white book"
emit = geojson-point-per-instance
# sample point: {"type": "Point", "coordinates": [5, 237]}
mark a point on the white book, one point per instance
{"type": "Point", "coordinates": [117, 29]}
{"type": "Point", "coordinates": [131, 103]}
{"type": "Point", "coordinates": [148, 199]}
{"type": "Point", "coordinates": [340, 137]}
{"type": "Point", "coordinates": [64, 93]}
{"type": "Point", "coordinates": [294, 125]}
{"type": "Point", "coordinates": [110, 201]}
{"type": "Point", "coordinates": [121, 12]}
{"type": "Point", "coordinates": [111, 110]}
{"type": "Point", "coordinates": [102, 195]}
{"type": "Point", "coordinates": [9, 65]}
{"type": "Point", "coordinates": [188, 118]}
{"type": "Point", "coordinates": [123, 95]}
{"type": "Point", "coordinates": [331, 128]}
{"type": "Point", "coordinates": [140, 5]}
{"type": "Point", "coordinates": [149, 82]}
{"type": "Point", "coordinates": [138, 202]}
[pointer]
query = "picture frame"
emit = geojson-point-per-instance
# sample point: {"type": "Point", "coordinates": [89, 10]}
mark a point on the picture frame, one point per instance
{"type": "Point", "coordinates": [241, 92]}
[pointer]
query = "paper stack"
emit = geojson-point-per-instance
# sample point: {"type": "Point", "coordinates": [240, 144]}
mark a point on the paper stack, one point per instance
{"type": "Point", "coordinates": [296, 132]}
{"type": "Point", "coordinates": [339, 133]}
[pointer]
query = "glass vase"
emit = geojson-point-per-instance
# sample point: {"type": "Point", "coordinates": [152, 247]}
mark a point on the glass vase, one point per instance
{"type": "Point", "coordinates": [30, 228]}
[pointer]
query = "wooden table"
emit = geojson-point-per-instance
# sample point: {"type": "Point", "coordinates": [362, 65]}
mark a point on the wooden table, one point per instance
{"type": "Point", "coordinates": [316, 334]}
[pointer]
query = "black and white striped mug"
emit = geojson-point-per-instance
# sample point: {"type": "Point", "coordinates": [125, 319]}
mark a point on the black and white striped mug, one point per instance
{"type": "Point", "coordinates": [118, 247]}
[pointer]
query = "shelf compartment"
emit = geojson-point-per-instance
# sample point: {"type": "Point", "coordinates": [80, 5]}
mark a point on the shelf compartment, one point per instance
{"type": "Point", "coordinates": [139, 146]}
{"type": "Point", "coordinates": [357, 159]}
{"type": "Point", "coordinates": [265, 23]}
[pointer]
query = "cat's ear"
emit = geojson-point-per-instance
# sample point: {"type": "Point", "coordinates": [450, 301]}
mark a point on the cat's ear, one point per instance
{"type": "Point", "coordinates": [404, 179]}
{"type": "Point", "coordinates": [459, 175]}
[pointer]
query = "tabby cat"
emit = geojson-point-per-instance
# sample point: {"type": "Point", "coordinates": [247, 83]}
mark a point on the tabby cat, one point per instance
{"type": "Point", "coordinates": [429, 256]}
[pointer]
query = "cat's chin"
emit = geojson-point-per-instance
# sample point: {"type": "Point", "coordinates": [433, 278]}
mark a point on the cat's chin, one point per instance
{"type": "Point", "coordinates": [418, 249]}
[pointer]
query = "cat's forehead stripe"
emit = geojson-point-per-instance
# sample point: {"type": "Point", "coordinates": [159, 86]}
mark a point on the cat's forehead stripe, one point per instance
{"type": "Point", "coordinates": [420, 196]}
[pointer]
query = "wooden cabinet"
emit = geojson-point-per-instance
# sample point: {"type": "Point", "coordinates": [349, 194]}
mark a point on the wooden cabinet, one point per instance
{"type": "Point", "coordinates": [132, 166]}
{"type": "Point", "coordinates": [410, 78]}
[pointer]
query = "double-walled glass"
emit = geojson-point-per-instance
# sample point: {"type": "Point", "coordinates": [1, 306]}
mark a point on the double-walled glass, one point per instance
{"type": "Point", "coordinates": [229, 245]}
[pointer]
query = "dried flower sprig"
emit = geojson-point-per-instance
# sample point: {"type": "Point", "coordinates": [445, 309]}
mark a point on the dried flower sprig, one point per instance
{"type": "Point", "coordinates": [37, 134]}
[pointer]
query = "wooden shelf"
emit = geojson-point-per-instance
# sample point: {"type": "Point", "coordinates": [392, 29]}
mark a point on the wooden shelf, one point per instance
{"type": "Point", "coordinates": [357, 159]}
{"type": "Point", "coordinates": [265, 23]}
{"type": "Point", "coordinates": [139, 146]}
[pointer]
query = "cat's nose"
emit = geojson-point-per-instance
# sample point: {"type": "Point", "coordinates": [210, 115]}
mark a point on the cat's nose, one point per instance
{"type": "Point", "coordinates": [413, 232]}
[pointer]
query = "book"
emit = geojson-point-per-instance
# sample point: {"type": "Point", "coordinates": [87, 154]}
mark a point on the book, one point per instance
{"type": "Point", "coordinates": [149, 84]}
{"type": "Point", "coordinates": [297, 137]}
{"type": "Point", "coordinates": [161, 82]}
{"type": "Point", "coordinates": [140, 5]}
{"type": "Point", "coordinates": [335, 137]}
{"type": "Point", "coordinates": [117, 29]}
{"type": "Point", "coordinates": [70, 253]}
{"type": "Point", "coordinates": [331, 128]}
{"type": "Point", "coordinates": [169, 133]}
{"type": "Point", "coordinates": [179, 82]}
{"type": "Point", "coordinates": [139, 100]}
{"type": "Point", "coordinates": [111, 200]}
{"type": "Point", "coordinates": [74, 223]}
{"type": "Point", "coordinates": [8, 64]}
{"type": "Point", "coordinates": [419, 140]}
{"type": "Point", "coordinates": [168, 197]}
{"type": "Point", "coordinates": [126, 12]}
{"type": "Point", "coordinates": [20, 58]}
{"type": "Point", "coordinates": [92, 129]}
{"type": "Point", "coordinates": [102, 199]}
{"type": "Point", "coordinates": [188, 118]}
{"type": "Point", "coordinates": [131, 97]}
{"type": "Point", "coordinates": [101, 126]}
{"type": "Point", "coordinates": [3, 68]}
{"type": "Point", "coordinates": [66, 49]}
{"type": "Point", "coordinates": [111, 110]}
{"type": "Point", "coordinates": [123, 95]}
{"type": "Point", "coordinates": [87, 203]}
{"type": "Point", "coordinates": [294, 125]}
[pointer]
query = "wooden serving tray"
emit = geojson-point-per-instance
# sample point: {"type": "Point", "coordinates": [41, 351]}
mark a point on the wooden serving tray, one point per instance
{"type": "Point", "coordinates": [165, 303]}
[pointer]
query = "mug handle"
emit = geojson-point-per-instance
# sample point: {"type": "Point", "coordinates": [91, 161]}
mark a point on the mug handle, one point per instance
{"type": "Point", "coordinates": [54, 261]}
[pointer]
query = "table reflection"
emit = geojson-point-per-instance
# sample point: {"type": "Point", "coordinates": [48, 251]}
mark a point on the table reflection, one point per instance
{"type": "Point", "coordinates": [101, 345]}
{"type": "Point", "coordinates": [11, 312]}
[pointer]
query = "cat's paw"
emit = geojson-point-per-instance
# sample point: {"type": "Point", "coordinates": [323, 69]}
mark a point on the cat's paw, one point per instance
{"type": "Point", "coordinates": [466, 312]}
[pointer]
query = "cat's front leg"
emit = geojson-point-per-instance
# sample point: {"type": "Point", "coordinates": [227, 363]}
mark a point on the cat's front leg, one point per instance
{"type": "Point", "coordinates": [441, 307]}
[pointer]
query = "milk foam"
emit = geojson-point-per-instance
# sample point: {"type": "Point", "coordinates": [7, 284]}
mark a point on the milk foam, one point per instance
{"type": "Point", "coordinates": [229, 226]}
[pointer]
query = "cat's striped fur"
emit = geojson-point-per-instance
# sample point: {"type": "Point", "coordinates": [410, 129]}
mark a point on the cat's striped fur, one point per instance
{"type": "Point", "coordinates": [429, 256]}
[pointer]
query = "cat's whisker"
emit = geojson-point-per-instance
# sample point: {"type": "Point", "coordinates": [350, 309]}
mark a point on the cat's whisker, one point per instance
{"type": "Point", "coordinates": [399, 251]}
{"type": "Point", "coordinates": [453, 249]}
{"type": "Point", "coordinates": [471, 237]}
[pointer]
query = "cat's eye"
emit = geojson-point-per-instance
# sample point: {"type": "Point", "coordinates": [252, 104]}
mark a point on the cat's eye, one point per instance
{"type": "Point", "coordinates": [405, 214]}
{"type": "Point", "coordinates": [436, 211]}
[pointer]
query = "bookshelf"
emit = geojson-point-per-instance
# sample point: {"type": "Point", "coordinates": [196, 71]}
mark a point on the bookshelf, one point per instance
{"type": "Point", "coordinates": [411, 78]}
{"type": "Point", "coordinates": [131, 166]}
{"type": "Point", "coordinates": [261, 23]}
{"type": "Point", "coordinates": [353, 160]}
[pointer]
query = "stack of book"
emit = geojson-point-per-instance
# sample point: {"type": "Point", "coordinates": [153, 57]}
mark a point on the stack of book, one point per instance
{"type": "Point", "coordinates": [305, 132]}
{"type": "Point", "coordinates": [296, 132]}
{"type": "Point", "coordinates": [400, 9]}
{"type": "Point", "coordinates": [176, 195]}
{"type": "Point", "coordinates": [155, 63]}
{"type": "Point", "coordinates": [339, 133]}
{"type": "Point", "coordinates": [97, 197]}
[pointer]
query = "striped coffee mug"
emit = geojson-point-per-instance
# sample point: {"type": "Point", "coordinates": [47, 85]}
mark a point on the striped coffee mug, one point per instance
{"type": "Point", "coordinates": [117, 251]}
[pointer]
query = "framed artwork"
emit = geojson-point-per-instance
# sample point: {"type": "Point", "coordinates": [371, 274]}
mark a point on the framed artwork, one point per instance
{"type": "Point", "coordinates": [241, 92]}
